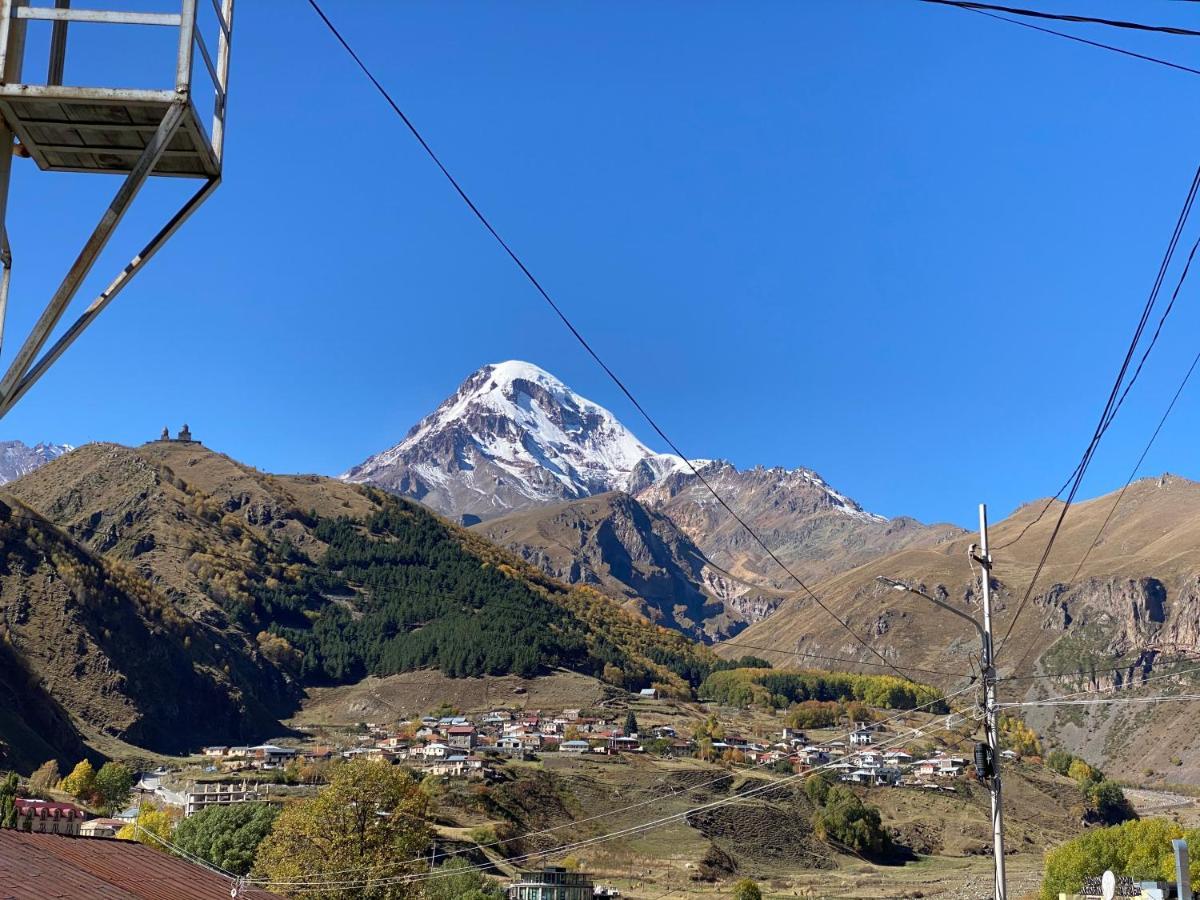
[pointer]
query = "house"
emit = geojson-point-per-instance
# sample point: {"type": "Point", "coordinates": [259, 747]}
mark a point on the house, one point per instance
{"type": "Point", "coordinates": [648, 693]}
{"type": "Point", "coordinates": [1010, 755]}
{"type": "Point", "coordinates": [37, 866]}
{"type": "Point", "coordinates": [898, 757]}
{"type": "Point", "coordinates": [573, 747]}
{"type": "Point", "coordinates": [888, 775]}
{"type": "Point", "coordinates": [434, 751]}
{"type": "Point", "coordinates": [269, 756]}
{"type": "Point", "coordinates": [510, 744]}
{"type": "Point", "coordinates": [102, 828]}
{"type": "Point", "coordinates": [200, 796]}
{"type": "Point", "coordinates": [860, 737]}
{"type": "Point", "coordinates": [663, 731]}
{"type": "Point", "coordinates": [551, 883]}
{"type": "Point", "coordinates": [461, 737]}
{"type": "Point", "coordinates": [621, 744]}
{"type": "Point", "coordinates": [215, 751]}
{"type": "Point", "coordinates": [47, 817]}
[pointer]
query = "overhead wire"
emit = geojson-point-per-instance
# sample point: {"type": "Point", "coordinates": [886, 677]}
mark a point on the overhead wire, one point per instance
{"type": "Point", "coordinates": [1065, 17]}
{"type": "Point", "coordinates": [1116, 396]}
{"type": "Point", "coordinates": [1081, 40]}
{"type": "Point", "coordinates": [575, 332]}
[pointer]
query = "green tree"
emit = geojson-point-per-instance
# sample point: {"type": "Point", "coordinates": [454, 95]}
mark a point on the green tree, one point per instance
{"type": "Point", "coordinates": [848, 821]}
{"type": "Point", "coordinates": [631, 725]}
{"type": "Point", "coordinates": [81, 783]}
{"type": "Point", "coordinates": [457, 880]}
{"type": "Point", "coordinates": [1059, 761]}
{"type": "Point", "coordinates": [45, 778]}
{"type": "Point", "coordinates": [112, 785]}
{"type": "Point", "coordinates": [8, 801]}
{"type": "Point", "coordinates": [152, 828]}
{"type": "Point", "coordinates": [1108, 801]}
{"type": "Point", "coordinates": [817, 786]}
{"type": "Point", "coordinates": [372, 818]}
{"type": "Point", "coordinates": [227, 836]}
{"type": "Point", "coordinates": [745, 889]}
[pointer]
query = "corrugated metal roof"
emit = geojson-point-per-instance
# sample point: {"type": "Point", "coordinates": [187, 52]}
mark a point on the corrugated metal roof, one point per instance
{"type": "Point", "coordinates": [50, 866]}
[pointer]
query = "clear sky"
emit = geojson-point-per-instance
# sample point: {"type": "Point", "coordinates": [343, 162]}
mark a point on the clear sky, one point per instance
{"type": "Point", "coordinates": [903, 245]}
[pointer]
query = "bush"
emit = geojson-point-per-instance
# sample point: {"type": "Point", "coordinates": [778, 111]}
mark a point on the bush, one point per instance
{"type": "Point", "coordinates": [1059, 761]}
{"type": "Point", "coordinates": [848, 821]}
{"type": "Point", "coordinates": [745, 889]}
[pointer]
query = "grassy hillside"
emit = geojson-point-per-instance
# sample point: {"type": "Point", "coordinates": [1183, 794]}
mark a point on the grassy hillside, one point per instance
{"type": "Point", "coordinates": [1134, 606]}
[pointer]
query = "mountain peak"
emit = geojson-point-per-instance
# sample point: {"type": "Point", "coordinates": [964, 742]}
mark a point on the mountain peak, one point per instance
{"type": "Point", "coordinates": [18, 458]}
{"type": "Point", "coordinates": [513, 435]}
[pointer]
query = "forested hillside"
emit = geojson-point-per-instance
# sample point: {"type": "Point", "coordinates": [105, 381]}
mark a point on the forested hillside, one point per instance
{"type": "Point", "coordinates": [175, 578]}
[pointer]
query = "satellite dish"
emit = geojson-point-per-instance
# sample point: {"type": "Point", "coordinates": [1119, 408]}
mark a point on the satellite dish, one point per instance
{"type": "Point", "coordinates": [1108, 885]}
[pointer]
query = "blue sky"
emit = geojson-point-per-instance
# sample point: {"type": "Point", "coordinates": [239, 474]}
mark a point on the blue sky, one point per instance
{"type": "Point", "coordinates": [903, 245]}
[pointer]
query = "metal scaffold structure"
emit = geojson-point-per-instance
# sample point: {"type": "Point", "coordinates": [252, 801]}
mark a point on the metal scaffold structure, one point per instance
{"type": "Point", "coordinates": [132, 132]}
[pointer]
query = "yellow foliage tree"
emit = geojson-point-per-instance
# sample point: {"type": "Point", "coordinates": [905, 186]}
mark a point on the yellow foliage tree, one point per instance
{"type": "Point", "coordinates": [152, 828]}
{"type": "Point", "coordinates": [369, 820]}
{"type": "Point", "coordinates": [81, 783]}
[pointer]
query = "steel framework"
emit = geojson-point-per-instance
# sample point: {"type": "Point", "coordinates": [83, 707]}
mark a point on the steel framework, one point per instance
{"type": "Point", "coordinates": [136, 133]}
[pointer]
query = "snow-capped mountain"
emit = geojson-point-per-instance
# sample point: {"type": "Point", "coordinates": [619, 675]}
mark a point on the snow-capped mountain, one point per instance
{"type": "Point", "coordinates": [17, 458]}
{"type": "Point", "coordinates": [513, 436]}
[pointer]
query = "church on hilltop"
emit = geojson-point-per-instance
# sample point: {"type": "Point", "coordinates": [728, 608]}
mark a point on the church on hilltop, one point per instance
{"type": "Point", "coordinates": [184, 436]}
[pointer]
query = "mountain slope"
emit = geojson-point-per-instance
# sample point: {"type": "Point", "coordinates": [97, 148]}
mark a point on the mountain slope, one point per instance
{"type": "Point", "coordinates": [259, 585]}
{"type": "Point", "coordinates": [614, 543]}
{"type": "Point", "coordinates": [813, 528]}
{"type": "Point", "coordinates": [1135, 604]}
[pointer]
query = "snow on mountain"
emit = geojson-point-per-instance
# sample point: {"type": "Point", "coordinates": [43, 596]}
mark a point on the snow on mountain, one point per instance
{"type": "Point", "coordinates": [513, 436]}
{"type": "Point", "coordinates": [17, 458]}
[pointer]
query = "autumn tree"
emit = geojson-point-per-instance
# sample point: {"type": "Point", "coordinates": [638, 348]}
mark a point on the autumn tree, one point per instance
{"type": "Point", "coordinates": [81, 783]}
{"type": "Point", "coordinates": [45, 778]}
{"type": "Point", "coordinates": [371, 819]}
{"type": "Point", "coordinates": [152, 827]}
{"type": "Point", "coordinates": [227, 836]}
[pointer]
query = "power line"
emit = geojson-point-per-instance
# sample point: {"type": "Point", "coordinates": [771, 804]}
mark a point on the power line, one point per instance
{"type": "Point", "coordinates": [1080, 40]}
{"type": "Point", "coordinates": [1116, 397]}
{"type": "Point", "coordinates": [558, 311]}
{"type": "Point", "coordinates": [1065, 17]}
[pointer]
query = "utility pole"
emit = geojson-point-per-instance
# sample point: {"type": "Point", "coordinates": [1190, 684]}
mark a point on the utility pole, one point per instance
{"type": "Point", "coordinates": [987, 757]}
{"type": "Point", "coordinates": [989, 704]}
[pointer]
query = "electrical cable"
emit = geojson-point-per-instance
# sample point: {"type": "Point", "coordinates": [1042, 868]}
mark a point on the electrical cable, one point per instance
{"type": "Point", "coordinates": [1116, 397]}
{"type": "Point", "coordinates": [1065, 17]}
{"type": "Point", "coordinates": [558, 311]}
{"type": "Point", "coordinates": [1080, 40]}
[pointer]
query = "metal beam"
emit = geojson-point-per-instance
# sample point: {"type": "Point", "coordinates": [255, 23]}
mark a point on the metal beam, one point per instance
{"type": "Point", "coordinates": [187, 32]}
{"type": "Point", "coordinates": [58, 47]}
{"type": "Point", "coordinates": [91, 250]}
{"type": "Point", "coordinates": [98, 15]}
{"type": "Point", "coordinates": [13, 38]}
{"type": "Point", "coordinates": [223, 44]}
{"type": "Point", "coordinates": [106, 296]}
